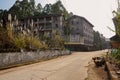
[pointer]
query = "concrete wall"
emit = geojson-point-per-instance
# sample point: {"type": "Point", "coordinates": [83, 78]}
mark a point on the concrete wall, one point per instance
{"type": "Point", "coordinates": [11, 59]}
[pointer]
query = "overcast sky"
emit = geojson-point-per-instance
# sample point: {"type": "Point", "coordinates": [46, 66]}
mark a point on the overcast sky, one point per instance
{"type": "Point", "coordinates": [98, 12]}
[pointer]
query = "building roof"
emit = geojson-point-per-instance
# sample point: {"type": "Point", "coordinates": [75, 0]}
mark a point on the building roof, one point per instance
{"type": "Point", "coordinates": [81, 18]}
{"type": "Point", "coordinates": [115, 38]}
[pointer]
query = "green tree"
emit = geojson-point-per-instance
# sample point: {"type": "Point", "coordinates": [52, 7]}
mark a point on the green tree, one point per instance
{"type": "Point", "coordinates": [23, 8]}
{"type": "Point", "coordinates": [38, 10]}
{"type": "Point", "coordinates": [1, 13]}
{"type": "Point", "coordinates": [58, 8]}
{"type": "Point", "coordinates": [97, 41]}
{"type": "Point", "coordinates": [47, 9]}
{"type": "Point", "coordinates": [16, 9]}
{"type": "Point", "coordinates": [32, 4]}
{"type": "Point", "coordinates": [67, 29]}
{"type": "Point", "coordinates": [55, 42]}
{"type": "Point", "coordinates": [6, 38]}
{"type": "Point", "coordinates": [32, 7]}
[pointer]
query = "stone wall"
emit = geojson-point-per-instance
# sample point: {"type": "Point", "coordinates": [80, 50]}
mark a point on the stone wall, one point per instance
{"type": "Point", "coordinates": [12, 59]}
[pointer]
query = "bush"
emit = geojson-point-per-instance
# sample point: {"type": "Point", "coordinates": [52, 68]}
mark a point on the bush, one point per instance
{"type": "Point", "coordinates": [6, 39]}
{"type": "Point", "coordinates": [20, 42]}
{"type": "Point", "coordinates": [35, 43]}
{"type": "Point", "coordinates": [115, 54]}
{"type": "Point", "coordinates": [29, 42]}
{"type": "Point", "coordinates": [55, 42]}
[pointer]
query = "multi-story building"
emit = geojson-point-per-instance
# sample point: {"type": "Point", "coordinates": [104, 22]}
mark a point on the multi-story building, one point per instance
{"type": "Point", "coordinates": [81, 30]}
{"type": "Point", "coordinates": [44, 25]}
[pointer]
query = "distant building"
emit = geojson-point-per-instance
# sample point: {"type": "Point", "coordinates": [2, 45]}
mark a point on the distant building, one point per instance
{"type": "Point", "coordinates": [44, 25]}
{"type": "Point", "coordinates": [108, 45]}
{"type": "Point", "coordinates": [81, 30]}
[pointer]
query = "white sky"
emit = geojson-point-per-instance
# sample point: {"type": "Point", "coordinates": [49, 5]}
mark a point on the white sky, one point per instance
{"type": "Point", "coordinates": [98, 12]}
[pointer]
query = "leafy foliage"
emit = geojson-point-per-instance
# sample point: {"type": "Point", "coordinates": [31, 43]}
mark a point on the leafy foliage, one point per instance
{"type": "Point", "coordinates": [38, 10]}
{"type": "Point", "coordinates": [115, 56]}
{"type": "Point", "coordinates": [97, 41]}
{"type": "Point", "coordinates": [47, 9]}
{"type": "Point", "coordinates": [58, 8]}
{"type": "Point", "coordinates": [27, 8]}
{"type": "Point", "coordinates": [58, 41]}
{"type": "Point", "coordinates": [118, 22]}
{"type": "Point", "coordinates": [20, 41]}
{"type": "Point", "coordinates": [115, 53]}
{"type": "Point", "coordinates": [23, 8]}
{"type": "Point", "coordinates": [6, 38]}
{"type": "Point", "coordinates": [29, 42]}
{"type": "Point", "coordinates": [55, 42]}
{"type": "Point", "coordinates": [67, 29]}
{"type": "Point", "coordinates": [34, 43]}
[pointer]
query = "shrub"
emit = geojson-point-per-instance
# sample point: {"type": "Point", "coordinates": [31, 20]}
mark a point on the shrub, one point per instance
{"type": "Point", "coordinates": [6, 38]}
{"type": "Point", "coordinates": [34, 43]}
{"type": "Point", "coordinates": [20, 42]}
{"type": "Point", "coordinates": [55, 42]}
{"type": "Point", "coordinates": [115, 54]}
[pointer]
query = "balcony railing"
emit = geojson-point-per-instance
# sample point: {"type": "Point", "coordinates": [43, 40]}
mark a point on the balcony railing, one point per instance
{"type": "Point", "coordinates": [47, 28]}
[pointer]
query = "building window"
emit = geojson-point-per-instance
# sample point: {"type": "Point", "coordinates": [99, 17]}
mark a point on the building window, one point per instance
{"type": "Point", "coordinates": [35, 20]}
{"type": "Point", "coordinates": [35, 25]}
{"type": "Point", "coordinates": [48, 19]}
{"type": "Point", "coordinates": [56, 19]}
{"type": "Point", "coordinates": [84, 28]}
{"type": "Point", "coordinates": [41, 19]}
{"type": "Point", "coordinates": [56, 25]}
{"type": "Point", "coordinates": [77, 22]}
{"type": "Point", "coordinates": [72, 22]}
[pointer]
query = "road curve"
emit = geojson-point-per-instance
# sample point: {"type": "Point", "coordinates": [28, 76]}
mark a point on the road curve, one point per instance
{"type": "Point", "coordinates": [71, 67]}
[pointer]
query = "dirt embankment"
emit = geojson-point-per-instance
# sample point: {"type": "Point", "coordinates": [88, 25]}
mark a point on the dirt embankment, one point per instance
{"type": "Point", "coordinates": [96, 73]}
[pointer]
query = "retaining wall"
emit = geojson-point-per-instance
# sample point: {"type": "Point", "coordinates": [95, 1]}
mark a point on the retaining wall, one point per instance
{"type": "Point", "coordinates": [11, 59]}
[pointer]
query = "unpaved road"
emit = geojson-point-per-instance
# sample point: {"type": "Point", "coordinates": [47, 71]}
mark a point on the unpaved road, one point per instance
{"type": "Point", "coordinates": [71, 67]}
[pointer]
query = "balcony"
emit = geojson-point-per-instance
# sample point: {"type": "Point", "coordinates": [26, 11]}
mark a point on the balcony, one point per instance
{"type": "Point", "coordinates": [48, 28]}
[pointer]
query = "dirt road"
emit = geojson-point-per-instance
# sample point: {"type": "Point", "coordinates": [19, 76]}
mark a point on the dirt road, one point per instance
{"type": "Point", "coordinates": [71, 67]}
